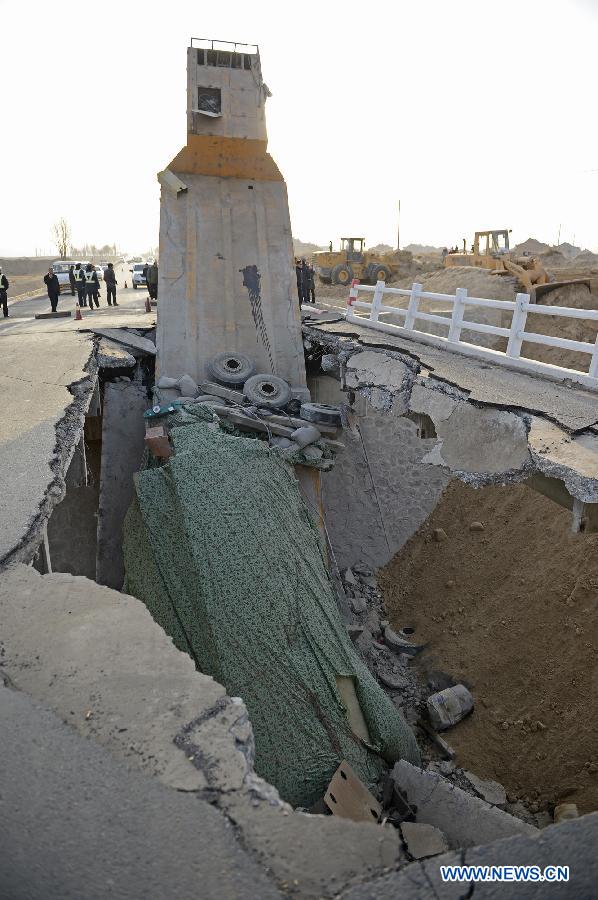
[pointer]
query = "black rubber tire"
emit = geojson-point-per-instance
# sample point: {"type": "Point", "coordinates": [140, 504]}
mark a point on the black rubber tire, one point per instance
{"type": "Point", "coordinates": [134, 286]}
{"type": "Point", "coordinates": [267, 390]}
{"type": "Point", "coordinates": [231, 369]}
{"type": "Point", "coordinates": [321, 412]}
{"type": "Point", "coordinates": [342, 274]}
{"type": "Point", "coordinates": [379, 273]}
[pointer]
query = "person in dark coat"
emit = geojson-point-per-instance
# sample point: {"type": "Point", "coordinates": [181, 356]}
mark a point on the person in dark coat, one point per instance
{"type": "Point", "coordinates": [92, 285]}
{"type": "Point", "coordinates": [4, 294]}
{"type": "Point", "coordinates": [311, 284]}
{"type": "Point", "coordinates": [72, 280]}
{"type": "Point", "coordinates": [304, 281]}
{"type": "Point", "coordinates": [151, 279]}
{"type": "Point", "coordinates": [299, 281]}
{"type": "Point", "coordinates": [53, 288]}
{"type": "Point", "coordinates": [111, 282]}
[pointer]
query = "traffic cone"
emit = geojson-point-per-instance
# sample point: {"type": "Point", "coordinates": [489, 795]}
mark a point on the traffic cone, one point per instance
{"type": "Point", "coordinates": [148, 305]}
{"type": "Point", "coordinates": [78, 315]}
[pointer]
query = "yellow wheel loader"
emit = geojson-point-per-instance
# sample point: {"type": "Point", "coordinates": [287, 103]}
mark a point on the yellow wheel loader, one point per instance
{"type": "Point", "coordinates": [490, 250]}
{"type": "Point", "coordinates": [354, 261]}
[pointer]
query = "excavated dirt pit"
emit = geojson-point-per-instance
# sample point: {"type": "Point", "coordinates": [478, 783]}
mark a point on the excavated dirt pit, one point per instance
{"type": "Point", "coordinates": [512, 611]}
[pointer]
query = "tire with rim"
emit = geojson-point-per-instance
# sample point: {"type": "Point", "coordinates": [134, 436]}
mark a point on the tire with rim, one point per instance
{"type": "Point", "coordinates": [231, 368]}
{"type": "Point", "coordinates": [268, 391]}
{"type": "Point", "coordinates": [321, 412]}
{"type": "Point", "coordinates": [342, 274]}
{"type": "Point", "coordinates": [380, 273]}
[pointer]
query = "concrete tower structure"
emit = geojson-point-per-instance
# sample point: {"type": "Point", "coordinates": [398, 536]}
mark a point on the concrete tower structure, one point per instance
{"type": "Point", "coordinates": [227, 281]}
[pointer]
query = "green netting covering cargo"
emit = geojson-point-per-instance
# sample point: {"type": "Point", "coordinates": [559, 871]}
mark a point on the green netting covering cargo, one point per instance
{"type": "Point", "coordinates": [223, 551]}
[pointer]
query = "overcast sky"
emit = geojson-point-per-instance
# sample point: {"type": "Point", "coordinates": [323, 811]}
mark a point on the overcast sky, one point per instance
{"type": "Point", "coordinates": [475, 115]}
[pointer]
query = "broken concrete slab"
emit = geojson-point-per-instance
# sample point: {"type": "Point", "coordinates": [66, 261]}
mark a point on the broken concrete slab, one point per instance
{"type": "Point", "coordinates": [569, 844]}
{"type": "Point", "coordinates": [423, 840]}
{"type": "Point", "coordinates": [573, 408]}
{"type": "Point", "coordinates": [490, 791]}
{"type": "Point", "coordinates": [465, 820]}
{"type": "Point", "coordinates": [113, 825]}
{"type": "Point", "coordinates": [113, 356]}
{"type": "Point", "coordinates": [128, 338]}
{"type": "Point", "coordinates": [218, 390]}
{"type": "Point", "coordinates": [46, 382]}
{"type": "Point", "coordinates": [483, 441]}
{"type": "Point", "coordinates": [380, 376]}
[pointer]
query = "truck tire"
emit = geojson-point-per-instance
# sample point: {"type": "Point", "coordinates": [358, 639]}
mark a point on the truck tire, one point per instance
{"type": "Point", "coordinates": [342, 274]}
{"type": "Point", "coordinates": [231, 368]}
{"type": "Point", "coordinates": [321, 412]}
{"type": "Point", "coordinates": [268, 391]}
{"type": "Point", "coordinates": [134, 286]}
{"type": "Point", "coordinates": [379, 273]}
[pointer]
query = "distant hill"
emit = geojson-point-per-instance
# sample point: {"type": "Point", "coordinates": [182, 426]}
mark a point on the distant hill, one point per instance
{"type": "Point", "coordinates": [381, 248]}
{"type": "Point", "coordinates": [532, 246]}
{"type": "Point", "coordinates": [568, 250]}
{"type": "Point", "coordinates": [304, 248]}
{"type": "Point", "coordinates": [422, 248]}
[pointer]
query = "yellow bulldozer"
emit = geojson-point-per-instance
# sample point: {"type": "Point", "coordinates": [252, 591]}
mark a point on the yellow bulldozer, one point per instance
{"type": "Point", "coordinates": [490, 250]}
{"type": "Point", "coordinates": [354, 261]}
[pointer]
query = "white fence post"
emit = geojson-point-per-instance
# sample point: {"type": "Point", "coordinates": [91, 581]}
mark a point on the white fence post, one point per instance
{"type": "Point", "coordinates": [518, 325]}
{"type": "Point", "coordinates": [454, 334]}
{"type": "Point", "coordinates": [594, 361]}
{"type": "Point", "coordinates": [416, 290]}
{"type": "Point", "coordinates": [377, 300]}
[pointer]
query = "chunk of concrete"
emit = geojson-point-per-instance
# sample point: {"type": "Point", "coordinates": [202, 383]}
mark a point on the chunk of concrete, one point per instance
{"type": "Point", "coordinates": [111, 356]}
{"type": "Point", "coordinates": [423, 840]}
{"type": "Point", "coordinates": [370, 368]}
{"type": "Point", "coordinates": [483, 441]}
{"type": "Point", "coordinates": [466, 820]}
{"type": "Point", "coordinates": [187, 386]}
{"type": "Point", "coordinates": [490, 791]}
{"type": "Point", "coordinates": [165, 382]}
{"type": "Point", "coordinates": [306, 435]}
{"type": "Point", "coordinates": [128, 338]}
{"type": "Point", "coordinates": [219, 390]}
{"type": "Point", "coordinates": [392, 681]}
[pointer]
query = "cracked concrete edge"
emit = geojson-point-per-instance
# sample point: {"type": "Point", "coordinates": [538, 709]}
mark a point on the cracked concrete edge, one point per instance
{"type": "Point", "coordinates": [402, 400]}
{"type": "Point", "coordinates": [111, 673]}
{"type": "Point", "coordinates": [571, 843]}
{"type": "Point", "coordinates": [68, 433]}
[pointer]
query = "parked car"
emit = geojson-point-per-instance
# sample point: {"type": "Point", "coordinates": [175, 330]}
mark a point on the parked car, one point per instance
{"type": "Point", "coordinates": [61, 270]}
{"type": "Point", "coordinates": [138, 276]}
{"type": "Point", "coordinates": [100, 270]}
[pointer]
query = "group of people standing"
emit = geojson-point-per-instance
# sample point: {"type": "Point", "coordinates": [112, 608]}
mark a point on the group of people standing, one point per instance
{"type": "Point", "coordinates": [85, 283]}
{"type": "Point", "coordinates": [306, 284]}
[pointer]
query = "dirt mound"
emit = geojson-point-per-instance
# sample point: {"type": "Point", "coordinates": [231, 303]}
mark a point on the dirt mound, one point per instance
{"type": "Point", "coordinates": [586, 257]}
{"type": "Point", "coordinates": [551, 258]}
{"type": "Point", "coordinates": [513, 611]}
{"type": "Point", "coordinates": [531, 246]}
{"type": "Point", "coordinates": [577, 296]}
{"type": "Point", "coordinates": [479, 282]}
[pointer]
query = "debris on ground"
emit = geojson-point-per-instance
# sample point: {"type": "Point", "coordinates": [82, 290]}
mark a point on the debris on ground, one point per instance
{"type": "Point", "coordinates": [449, 706]}
{"type": "Point", "coordinates": [423, 840]}
{"type": "Point", "coordinates": [466, 820]}
{"type": "Point", "coordinates": [348, 797]}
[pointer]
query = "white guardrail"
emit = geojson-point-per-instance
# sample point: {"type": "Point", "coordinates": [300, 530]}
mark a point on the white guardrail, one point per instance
{"type": "Point", "coordinates": [456, 323]}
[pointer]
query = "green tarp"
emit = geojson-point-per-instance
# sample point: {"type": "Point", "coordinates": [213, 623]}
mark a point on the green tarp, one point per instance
{"type": "Point", "coordinates": [223, 551]}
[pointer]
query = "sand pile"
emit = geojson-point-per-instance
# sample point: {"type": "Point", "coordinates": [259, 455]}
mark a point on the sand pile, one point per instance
{"type": "Point", "coordinates": [513, 611]}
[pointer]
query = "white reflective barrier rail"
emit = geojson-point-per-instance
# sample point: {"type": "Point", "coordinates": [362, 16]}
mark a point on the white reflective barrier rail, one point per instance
{"type": "Point", "coordinates": [456, 322]}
